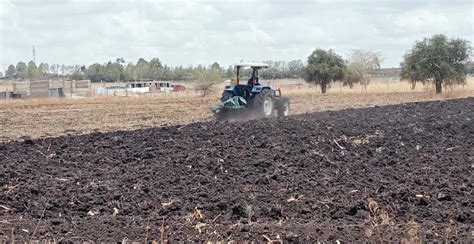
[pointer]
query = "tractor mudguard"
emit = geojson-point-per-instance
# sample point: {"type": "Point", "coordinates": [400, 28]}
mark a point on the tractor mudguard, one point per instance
{"type": "Point", "coordinates": [259, 88]}
{"type": "Point", "coordinates": [229, 88]}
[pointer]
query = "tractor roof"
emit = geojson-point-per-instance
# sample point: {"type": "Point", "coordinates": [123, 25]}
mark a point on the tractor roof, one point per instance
{"type": "Point", "coordinates": [251, 64]}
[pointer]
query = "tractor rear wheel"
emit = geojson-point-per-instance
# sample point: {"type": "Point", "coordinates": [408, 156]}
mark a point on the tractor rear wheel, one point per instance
{"type": "Point", "coordinates": [283, 107]}
{"type": "Point", "coordinates": [263, 103]}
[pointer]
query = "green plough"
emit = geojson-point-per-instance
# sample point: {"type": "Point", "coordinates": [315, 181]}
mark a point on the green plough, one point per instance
{"type": "Point", "coordinates": [233, 103]}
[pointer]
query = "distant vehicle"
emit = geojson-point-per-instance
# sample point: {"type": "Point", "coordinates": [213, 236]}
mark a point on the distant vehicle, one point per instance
{"type": "Point", "coordinates": [251, 99]}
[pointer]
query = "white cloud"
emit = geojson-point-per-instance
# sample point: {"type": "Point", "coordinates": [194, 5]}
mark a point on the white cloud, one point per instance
{"type": "Point", "coordinates": [201, 32]}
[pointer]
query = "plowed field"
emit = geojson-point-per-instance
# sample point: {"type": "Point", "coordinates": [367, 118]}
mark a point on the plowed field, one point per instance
{"type": "Point", "coordinates": [398, 172]}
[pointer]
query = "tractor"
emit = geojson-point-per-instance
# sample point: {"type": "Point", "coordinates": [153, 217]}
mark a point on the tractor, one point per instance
{"type": "Point", "coordinates": [250, 100]}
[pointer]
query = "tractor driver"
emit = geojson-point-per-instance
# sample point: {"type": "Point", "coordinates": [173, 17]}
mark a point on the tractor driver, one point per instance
{"type": "Point", "coordinates": [252, 81]}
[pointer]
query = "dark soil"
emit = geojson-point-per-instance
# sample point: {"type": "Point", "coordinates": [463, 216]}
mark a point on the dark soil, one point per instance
{"type": "Point", "coordinates": [400, 172]}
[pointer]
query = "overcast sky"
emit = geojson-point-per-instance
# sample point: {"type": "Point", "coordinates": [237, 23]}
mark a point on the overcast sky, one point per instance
{"type": "Point", "coordinates": [201, 32]}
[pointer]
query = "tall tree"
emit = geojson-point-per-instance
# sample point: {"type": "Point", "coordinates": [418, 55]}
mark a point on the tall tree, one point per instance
{"type": "Point", "coordinates": [155, 69]}
{"type": "Point", "coordinates": [179, 73]}
{"type": "Point", "coordinates": [230, 72]}
{"type": "Point", "coordinates": [142, 69]}
{"type": "Point", "coordinates": [53, 69]}
{"type": "Point", "coordinates": [216, 66]}
{"type": "Point", "coordinates": [324, 67]}
{"type": "Point", "coordinates": [22, 70]}
{"type": "Point", "coordinates": [130, 72]}
{"type": "Point", "coordinates": [32, 70]}
{"type": "Point", "coordinates": [42, 70]}
{"type": "Point", "coordinates": [11, 72]}
{"type": "Point", "coordinates": [63, 69]}
{"type": "Point", "coordinates": [437, 59]}
{"type": "Point", "coordinates": [295, 69]}
{"type": "Point", "coordinates": [95, 72]}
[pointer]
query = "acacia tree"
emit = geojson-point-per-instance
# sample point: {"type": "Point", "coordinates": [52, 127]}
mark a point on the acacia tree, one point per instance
{"type": "Point", "coordinates": [437, 59]}
{"type": "Point", "coordinates": [324, 67]}
{"type": "Point", "coordinates": [205, 79]}
{"type": "Point", "coordinates": [409, 73]}
{"type": "Point", "coordinates": [361, 64]}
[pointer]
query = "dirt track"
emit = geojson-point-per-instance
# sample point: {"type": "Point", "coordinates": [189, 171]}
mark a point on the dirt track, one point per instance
{"type": "Point", "coordinates": [394, 172]}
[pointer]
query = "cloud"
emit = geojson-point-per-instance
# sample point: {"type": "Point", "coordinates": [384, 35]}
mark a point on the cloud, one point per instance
{"type": "Point", "coordinates": [200, 32]}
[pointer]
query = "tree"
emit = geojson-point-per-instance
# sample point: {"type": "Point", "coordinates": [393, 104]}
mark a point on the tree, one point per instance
{"type": "Point", "coordinates": [130, 72]}
{"type": "Point", "coordinates": [324, 67]}
{"type": "Point", "coordinates": [95, 72]}
{"type": "Point", "coordinates": [205, 79]}
{"type": "Point", "coordinates": [179, 73]}
{"type": "Point", "coordinates": [166, 73]}
{"type": "Point", "coordinates": [295, 69]}
{"type": "Point", "coordinates": [142, 68]}
{"type": "Point", "coordinates": [155, 69]}
{"type": "Point", "coordinates": [32, 70]}
{"type": "Point", "coordinates": [409, 73]}
{"type": "Point", "coordinates": [229, 72]}
{"type": "Point", "coordinates": [437, 59]}
{"type": "Point", "coordinates": [11, 72]}
{"type": "Point", "coordinates": [54, 70]}
{"type": "Point", "coordinates": [361, 64]}
{"type": "Point", "coordinates": [42, 70]}
{"type": "Point", "coordinates": [22, 70]}
{"type": "Point", "coordinates": [216, 66]}
{"type": "Point", "coordinates": [112, 71]}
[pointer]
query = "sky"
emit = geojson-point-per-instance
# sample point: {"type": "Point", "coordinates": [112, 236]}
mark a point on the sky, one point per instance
{"type": "Point", "coordinates": [202, 32]}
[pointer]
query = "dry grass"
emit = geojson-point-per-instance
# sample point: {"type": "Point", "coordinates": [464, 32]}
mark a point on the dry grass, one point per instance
{"type": "Point", "coordinates": [53, 117]}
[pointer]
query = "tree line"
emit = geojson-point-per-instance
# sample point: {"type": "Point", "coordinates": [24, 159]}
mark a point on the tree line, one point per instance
{"type": "Point", "coordinates": [118, 70]}
{"type": "Point", "coordinates": [437, 59]}
{"type": "Point", "coordinates": [30, 71]}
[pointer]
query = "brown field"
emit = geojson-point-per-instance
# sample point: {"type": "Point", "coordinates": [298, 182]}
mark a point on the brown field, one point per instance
{"type": "Point", "coordinates": [53, 117]}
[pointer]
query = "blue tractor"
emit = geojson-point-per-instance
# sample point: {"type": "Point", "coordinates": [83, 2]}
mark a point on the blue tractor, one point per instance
{"type": "Point", "coordinates": [250, 100]}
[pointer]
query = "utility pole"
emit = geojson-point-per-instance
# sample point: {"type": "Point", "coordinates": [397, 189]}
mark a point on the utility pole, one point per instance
{"type": "Point", "coordinates": [34, 54]}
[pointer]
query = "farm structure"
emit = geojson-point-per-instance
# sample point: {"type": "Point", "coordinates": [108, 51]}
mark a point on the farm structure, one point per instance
{"type": "Point", "coordinates": [141, 86]}
{"type": "Point", "coordinates": [46, 88]}
{"type": "Point", "coordinates": [163, 86]}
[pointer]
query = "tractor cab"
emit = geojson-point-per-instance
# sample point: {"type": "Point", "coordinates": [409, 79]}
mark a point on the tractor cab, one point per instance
{"type": "Point", "coordinates": [246, 87]}
{"type": "Point", "coordinates": [254, 75]}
